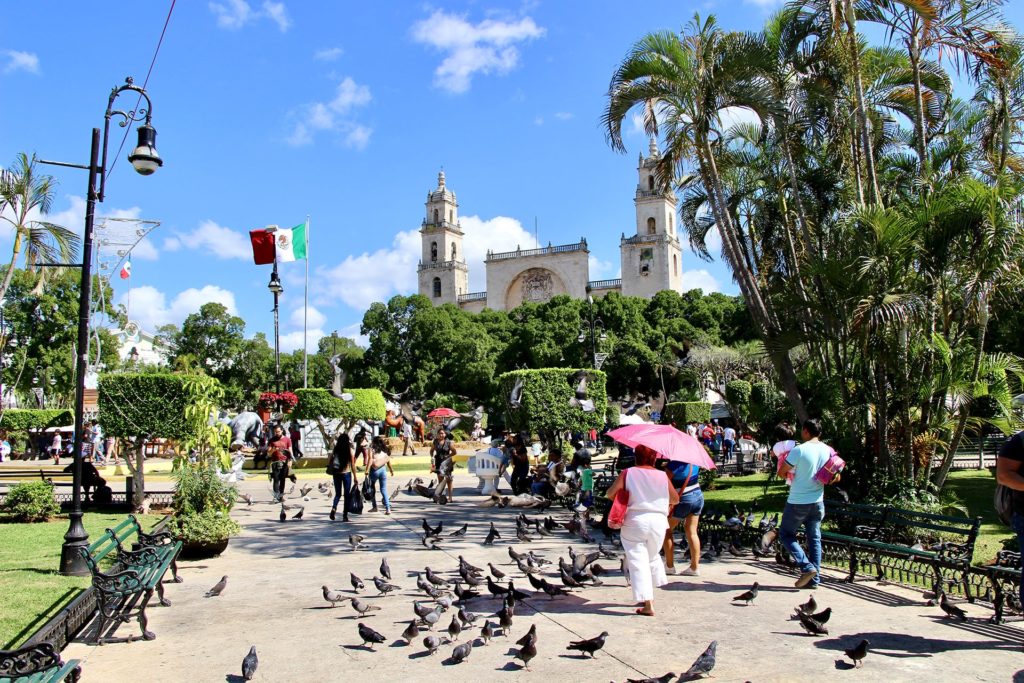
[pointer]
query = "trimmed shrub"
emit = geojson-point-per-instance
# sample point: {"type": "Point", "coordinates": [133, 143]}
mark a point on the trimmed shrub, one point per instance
{"type": "Point", "coordinates": [685, 412]}
{"type": "Point", "coordinates": [31, 501]}
{"type": "Point", "coordinates": [21, 420]}
{"type": "Point", "coordinates": [152, 405]}
{"type": "Point", "coordinates": [544, 404]}
{"type": "Point", "coordinates": [366, 404]}
{"type": "Point", "coordinates": [737, 393]}
{"type": "Point", "coordinates": [612, 416]}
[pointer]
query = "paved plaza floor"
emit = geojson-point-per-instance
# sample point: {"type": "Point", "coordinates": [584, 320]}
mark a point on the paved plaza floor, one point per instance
{"type": "Point", "coordinates": [273, 600]}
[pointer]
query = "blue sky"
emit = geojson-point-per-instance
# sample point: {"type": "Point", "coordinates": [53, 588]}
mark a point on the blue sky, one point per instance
{"type": "Point", "coordinates": [268, 111]}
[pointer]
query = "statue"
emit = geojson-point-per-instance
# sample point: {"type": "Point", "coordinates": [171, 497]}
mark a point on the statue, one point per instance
{"type": "Point", "coordinates": [246, 428]}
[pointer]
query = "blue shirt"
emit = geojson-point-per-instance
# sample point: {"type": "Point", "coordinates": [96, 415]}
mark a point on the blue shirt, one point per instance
{"type": "Point", "coordinates": [682, 474]}
{"type": "Point", "coordinates": [806, 459]}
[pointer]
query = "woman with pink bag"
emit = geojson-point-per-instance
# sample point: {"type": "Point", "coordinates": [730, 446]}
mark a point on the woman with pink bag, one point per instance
{"type": "Point", "coordinates": [650, 498]}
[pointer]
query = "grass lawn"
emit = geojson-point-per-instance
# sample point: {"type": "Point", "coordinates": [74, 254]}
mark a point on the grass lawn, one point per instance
{"type": "Point", "coordinates": [973, 488]}
{"type": "Point", "coordinates": [32, 589]}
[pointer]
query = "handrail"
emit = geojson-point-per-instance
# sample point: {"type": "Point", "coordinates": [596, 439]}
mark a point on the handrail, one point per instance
{"type": "Point", "coordinates": [472, 296]}
{"type": "Point", "coordinates": [559, 249]}
{"type": "Point", "coordinates": [604, 284]}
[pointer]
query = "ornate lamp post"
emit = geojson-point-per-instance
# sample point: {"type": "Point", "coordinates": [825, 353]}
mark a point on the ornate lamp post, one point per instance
{"type": "Point", "coordinates": [146, 161]}
{"type": "Point", "coordinates": [595, 327]}
{"type": "Point", "coordinates": [276, 289]}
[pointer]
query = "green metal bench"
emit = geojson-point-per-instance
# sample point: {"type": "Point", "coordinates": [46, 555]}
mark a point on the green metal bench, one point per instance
{"type": "Point", "coordinates": [1004, 577]}
{"type": "Point", "coordinates": [39, 663]}
{"type": "Point", "coordinates": [125, 592]}
{"type": "Point", "coordinates": [942, 542]}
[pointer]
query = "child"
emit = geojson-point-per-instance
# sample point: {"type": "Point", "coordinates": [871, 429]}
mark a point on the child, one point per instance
{"type": "Point", "coordinates": [586, 475]}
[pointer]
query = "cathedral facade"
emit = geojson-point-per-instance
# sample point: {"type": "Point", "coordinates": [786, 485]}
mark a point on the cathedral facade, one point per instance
{"type": "Point", "coordinates": [651, 256]}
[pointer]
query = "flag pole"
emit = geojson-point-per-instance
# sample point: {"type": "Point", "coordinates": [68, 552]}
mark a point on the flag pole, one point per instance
{"type": "Point", "coordinates": [305, 315]}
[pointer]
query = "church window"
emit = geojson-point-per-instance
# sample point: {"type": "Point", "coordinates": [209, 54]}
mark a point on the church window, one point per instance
{"type": "Point", "coordinates": [651, 226]}
{"type": "Point", "coordinates": [650, 183]}
{"type": "Point", "coordinates": [671, 223]}
{"type": "Point", "coordinates": [433, 252]}
{"type": "Point", "coordinates": [437, 287]}
{"type": "Point", "coordinates": [453, 251]}
{"type": "Point", "coordinates": [435, 216]}
{"type": "Point", "coordinates": [675, 264]}
{"type": "Point", "coordinates": [451, 215]}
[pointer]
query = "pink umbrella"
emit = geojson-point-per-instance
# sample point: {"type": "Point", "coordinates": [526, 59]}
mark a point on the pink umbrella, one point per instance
{"type": "Point", "coordinates": [442, 412]}
{"type": "Point", "coordinates": [666, 441]}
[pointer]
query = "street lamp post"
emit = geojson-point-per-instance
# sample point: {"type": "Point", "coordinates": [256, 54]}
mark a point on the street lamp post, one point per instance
{"type": "Point", "coordinates": [146, 161]}
{"type": "Point", "coordinates": [595, 327]}
{"type": "Point", "coordinates": [276, 289]}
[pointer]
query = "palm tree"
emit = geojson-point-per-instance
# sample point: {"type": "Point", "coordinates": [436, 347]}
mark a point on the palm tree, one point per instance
{"type": "Point", "coordinates": [25, 197]}
{"type": "Point", "coordinates": [683, 84]}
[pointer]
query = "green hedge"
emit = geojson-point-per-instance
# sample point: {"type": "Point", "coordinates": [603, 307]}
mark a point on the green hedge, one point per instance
{"type": "Point", "coordinates": [685, 412]}
{"type": "Point", "coordinates": [612, 416]}
{"type": "Point", "coordinates": [544, 406]}
{"type": "Point", "coordinates": [31, 501]}
{"type": "Point", "coordinates": [366, 404]}
{"type": "Point", "coordinates": [151, 405]}
{"type": "Point", "coordinates": [737, 393]}
{"type": "Point", "coordinates": [20, 420]}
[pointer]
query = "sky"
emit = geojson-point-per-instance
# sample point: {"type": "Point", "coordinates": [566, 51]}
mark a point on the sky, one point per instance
{"type": "Point", "coordinates": [267, 112]}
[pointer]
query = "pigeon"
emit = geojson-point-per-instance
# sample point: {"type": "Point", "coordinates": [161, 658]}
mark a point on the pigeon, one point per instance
{"type": "Point", "coordinates": [538, 584]}
{"type": "Point", "coordinates": [435, 593]}
{"type": "Point", "coordinates": [218, 587]}
{"type": "Point", "coordinates": [606, 554]}
{"type": "Point", "coordinates": [298, 515]}
{"type": "Point", "coordinates": [950, 609]}
{"type": "Point", "coordinates": [247, 498]}
{"type": "Point", "coordinates": [526, 653]}
{"type": "Point", "coordinates": [465, 595]}
{"type": "Point", "coordinates": [385, 570]}
{"type": "Point", "coordinates": [489, 540]}
{"type": "Point", "coordinates": [304, 491]}
{"type": "Point", "coordinates": [410, 632]}
{"type": "Point", "coordinates": [282, 517]}
{"type": "Point", "coordinates": [857, 654]}
{"type": "Point", "coordinates": [461, 652]}
{"type": "Point", "coordinates": [568, 580]}
{"type": "Point", "coordinates": [323, 487]}
{"type": "Point", "coordinates": [455, 628]}
{"type": "Point", "coordinates": [333, 597]}
{"type": "Point", "coordinates": [494, 588]}
{"type": "Point", "coordinates": [589, 646]}
{"type": "Point", "coordinates": [527, 568]}
{"type": "Point", "coordinates": [465, 566]}
{"type": "Point", "coordinates": [809, 606]}
{"type": "Point", "coordinates": [665, 678]}
{"type": "Point", "coordinates": [521, 535]}
{"type": "Point", "coordinates": [517, 594]}
{"type": "Point", "coordinates": [552, 591]}
{"type": "Point", "coordinates": [812, 627]}
{"type": "Point", "coordinates": [465, 617]}
{"type": "Point", "coordinates": [362, 607]}
{"type": "Point", "coordinates": [430, 542]}
{"type": "Point", "coordinates": [356, 541]}
{"type": "Point", "coordinates": [369, 635]}
{"type": "Point", "coordinates": [515, 397]}
{"type": "Point", "coordinates": [434, 578]}
{"type": "Point", "coordinates": [383, 586]}
{"type": "Point", "coordinates": [421, 609]}
{"type": "Point", "coordinates": [487, 632]}
{"type": "Point", "coordinates": [494, 531]}
{"type": "Point", "coordinates": [505, 619]}
{"type": "Point", "coordinates": [823, 616]}
{"type": "Point", "coordinates": [444, 601]}
{"type": "Point", "coordinates": [422, 583]}
{"type": "Point", "coordinates": [703, 664]}
{"type": "Point", "coordinates": [249, 664]}
{"type": "Point", "coordinates": [749, 596]}
{"type": "Point", "coordinates": [432, 531]}
{"type": "Point", "coordinates": [530, 637]}
{"type": "Point", "coordinates": [495, 572]}
{"type": "Point", "coordinates": [459, 532]}
{"type": "Point", "coordinates": [514, 555]}
{"type": "Point", "coordinates": [431, 618]}
{"type": "Point", "coordinates": [431, 643]}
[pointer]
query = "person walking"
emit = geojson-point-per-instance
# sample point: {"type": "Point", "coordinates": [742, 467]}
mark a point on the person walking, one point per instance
{"type": "Point", "coordinates": [96, 437]}
{"type": "Point", "coordinates": [520, 465]}
{"type": "Point", "coordinates": [1010, 473]}
{"type": "Point", "coordinates": [685, 478]}
{"type": "Point", "coordinates": [407, 443]}
{"type": "Point", "coordinates": [342, 468]}
{"type": "Point", "coordinates": [651, 495]}
{"type": "Point", "coordinates": [728, 442]}
{"type": "Point", "coordinates": [377, 466]}
{"type": "Point", "coordinates": [806, 503]}
{"type": "Point", "coordinates": [280, 453]}
{"type": "Point", "coordinates": [295, 436]}
{"type": "Point", "coordinates": [440, 450]}
{"type": "Point", "coordinates": [55, 448]}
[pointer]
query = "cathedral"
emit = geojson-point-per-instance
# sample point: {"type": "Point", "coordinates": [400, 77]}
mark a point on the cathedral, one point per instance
{"type": "Point", "coordinates": [651, 257]}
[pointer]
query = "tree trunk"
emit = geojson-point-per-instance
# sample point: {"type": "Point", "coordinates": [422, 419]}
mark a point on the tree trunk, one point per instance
{"type": "Point", "coordinates": [137, 470]}
{"type": "Point", "coordinates": [914, 50]}
{"type": "Point", "coordinates": [858, 91]}
{"type": "Point", "coordinates": [9, 275]}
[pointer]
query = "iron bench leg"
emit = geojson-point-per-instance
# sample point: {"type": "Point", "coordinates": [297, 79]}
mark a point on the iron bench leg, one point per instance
{"type": "Point", "coordinates": [853, 563]}
{"type": "Point", "coordinates": [164, 602]}
{"type": "Point", "coordinates": [143, 619]}
{"type": "Point", "coordinates": [998, 600]}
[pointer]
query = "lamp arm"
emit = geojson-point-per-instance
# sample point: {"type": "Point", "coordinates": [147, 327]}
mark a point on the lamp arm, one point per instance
{"type": "Point", "coordinates": [141, 114]}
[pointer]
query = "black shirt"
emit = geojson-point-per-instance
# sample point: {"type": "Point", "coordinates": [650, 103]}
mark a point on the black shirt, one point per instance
{"type": "Point", "coordinates": [1013, 449]}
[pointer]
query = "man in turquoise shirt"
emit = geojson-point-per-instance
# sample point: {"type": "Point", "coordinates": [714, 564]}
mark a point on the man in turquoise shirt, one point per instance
{"type": "Point", "coordinates": [806, 503]}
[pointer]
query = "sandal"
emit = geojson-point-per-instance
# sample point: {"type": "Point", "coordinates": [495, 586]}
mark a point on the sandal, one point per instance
{"type": "Point", "coordinates": [644, 613]}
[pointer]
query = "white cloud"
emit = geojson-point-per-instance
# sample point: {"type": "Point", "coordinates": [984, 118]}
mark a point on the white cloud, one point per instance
{"type": "Point", "coordinates": [334, 116]}
{"type": "Point", "coordinates": [730, 116]}
{"type": "Point", "coordinates": [538, 121]}
{"type": "Point", "coordinates": [235, 14]}
{"type": "Point", "coordinates": [603, 270]}
{"type": "Point", "coordinates": [292, 341]}
{"type": "Point", "coordinates": [700, 279]}
{"type": "Point", "coordinates": [21, 61]}
{"type": "Point", "coordinates": [362, 279]}
{"type": "Point", "coordinates": [145, 251]}
{"type": "Point", "coordinates": [563, 115]}
{"type": "Point", "coordinates": [352, 332]}
{"type": "Point", "coordinates": [500, 233]}
{"type": "Point", "coordinates": [328, 54]}
{"type": "Point", "coordinates": [148, 305]}
{"type": "Point", "coordinates": [487, 47]}
{"type": "Point", "coordinates": [221, 242]}
{"type": "Point", "coordinates": [316, 318]}
{"type": "Point", "coordinates": [636, 124]}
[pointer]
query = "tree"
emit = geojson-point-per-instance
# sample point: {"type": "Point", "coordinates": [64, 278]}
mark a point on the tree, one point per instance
{"type": "Point", "coordinates": [23, 194]}
{"type": "Point", "coordinates": [320, 405]}
{"type": "Point", "coordinates": [544, 402]}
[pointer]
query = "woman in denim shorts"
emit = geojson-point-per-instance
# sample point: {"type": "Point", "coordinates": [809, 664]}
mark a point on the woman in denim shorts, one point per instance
{"type": "Point", "coordinates": [691, 503]}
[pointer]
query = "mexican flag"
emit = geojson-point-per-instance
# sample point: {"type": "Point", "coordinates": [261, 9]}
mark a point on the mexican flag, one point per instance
{"type": "Point", "coordinates": [290, 243]}
{"type": "Point", "coordinates": [126, 269]}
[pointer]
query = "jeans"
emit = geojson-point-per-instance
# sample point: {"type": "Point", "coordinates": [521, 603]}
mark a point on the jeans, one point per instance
{"type": "Point", "coordinates": [691, 503]}
{"type": "Point", "coordinates": [1017, 524]}
{"type": "Point", "coordinates": [278, 473]}
{"type": "Point", "coordinates": [380, 476]}
{"type": "Point", "coordinates": [520, 478]}
{"type": "Point", "coordinates": [342, 486]}
{"type": "Point", "coordinates": [808, 515]}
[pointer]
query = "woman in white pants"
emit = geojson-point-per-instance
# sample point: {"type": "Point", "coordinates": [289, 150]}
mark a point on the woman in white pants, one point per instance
{"type": "Point", "coordinates": [651, 496]}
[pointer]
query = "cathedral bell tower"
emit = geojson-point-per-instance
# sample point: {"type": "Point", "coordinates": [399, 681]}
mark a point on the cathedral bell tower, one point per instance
{"type": "Point", "coordinates": [652, 258]}
{"type": "Point", "coordinates": [443, 274]}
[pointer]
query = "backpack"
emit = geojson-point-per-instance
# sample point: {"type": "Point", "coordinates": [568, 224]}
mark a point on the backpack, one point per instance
{"type": "Point", "coordinates": [1003, 501]}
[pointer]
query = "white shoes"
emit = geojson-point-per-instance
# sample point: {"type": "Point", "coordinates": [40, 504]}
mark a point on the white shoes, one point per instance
{"type": "Point", "coordinates": [689, 571]}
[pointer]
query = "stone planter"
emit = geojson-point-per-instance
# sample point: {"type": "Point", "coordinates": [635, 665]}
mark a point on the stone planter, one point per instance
{"type": "Point", "coordinates": [201, 550]}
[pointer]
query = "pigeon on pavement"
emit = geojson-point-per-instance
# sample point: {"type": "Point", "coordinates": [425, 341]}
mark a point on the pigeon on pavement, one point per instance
{"type": "Point", "coordinates": [460, 531]}
{"type": "Point", "coordinates": [369, 635]}
{"type": "Point", "coordinates": [333, 597]}
{"type": "Point", "coordinates": [357, 583]}
{"type": "Point", "coordinates": [703, 665]}
{"type": "Point", "coordinates": [749, 596]}
{"type": "Point", "coordinates": [249, 664]}
{"type": "Point", "coordinates": [431, 643]}
{"type": "Point", "coordinates": [383, 586]}
{"type": "Point", "coordinates": [356, 541]}
{"type": "Point", "coordinates": [461, 652]}
{"type": "Point", "coordinates": [411, 631]}
{"type": "Point", "coordinates": [589, 646]}
{"type": "Point", "coordinates": [950, 609]}
{"type": "Point", "coordinates": [385, 570]}
{"type": "Point", "coordinates": [455, 628]}
{"type": "Point", "coordinates": [812, 627]}
{"type": "Point", "coordinates": [809, 606]}
{"type": "Point", "coordinates": [526, 653]}
{"type": "Point", "coordinates": [495, 572]}
{"type": "Point", "coordinates": [362, 607]}
{"type": "Point", "coordinates": [858, 653]}
{"type": "Point", "coordinates": [531, 636]}
{"type": "Point", "coordinates": [218, 587]}
{"type": "Point", "coordinates": [487, 632]}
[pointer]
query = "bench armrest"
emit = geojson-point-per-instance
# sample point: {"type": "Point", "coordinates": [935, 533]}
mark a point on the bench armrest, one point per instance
{"type": "Point", "coordinates": [142, 557]}
{"type": "Point", "coordinates": [123, 582]}
{"type": "Point", "coordinates": [28, 660]}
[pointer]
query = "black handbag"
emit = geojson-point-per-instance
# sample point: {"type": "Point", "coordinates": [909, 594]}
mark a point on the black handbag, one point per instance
{"type": "Point", "coordinates": [367, 489]}
{"type": "Point", "coordinates": [354, 503]}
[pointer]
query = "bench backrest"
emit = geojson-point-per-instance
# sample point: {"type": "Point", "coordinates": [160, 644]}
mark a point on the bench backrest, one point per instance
{"type": "Point", "coordinates": [111, 540]}
{"type": "Point", "coordinates": [905, 527]}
